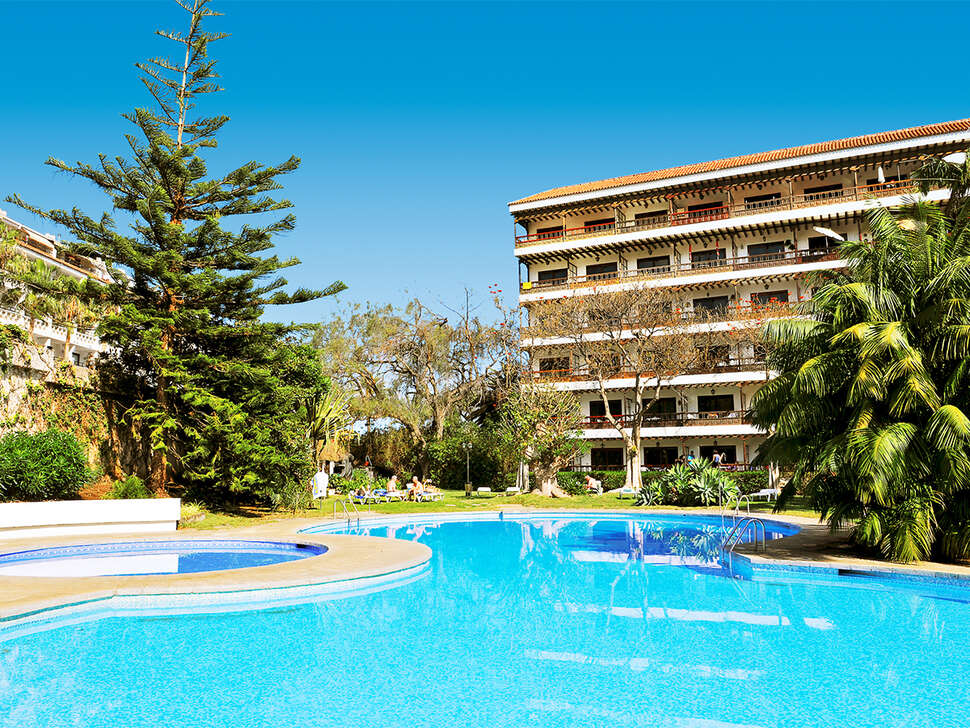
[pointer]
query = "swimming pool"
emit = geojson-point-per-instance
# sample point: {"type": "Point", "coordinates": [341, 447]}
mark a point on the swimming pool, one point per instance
{"type": "Point", "coordinates": [152, 557]}
{"type": "Point", "coordinates": [566, 620]}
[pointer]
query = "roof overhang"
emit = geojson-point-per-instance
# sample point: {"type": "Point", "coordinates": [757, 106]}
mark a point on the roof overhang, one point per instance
{"type": "Point", "coordinates": [748, 169]}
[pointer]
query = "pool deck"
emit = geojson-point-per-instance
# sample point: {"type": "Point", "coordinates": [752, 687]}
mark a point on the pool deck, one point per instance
{"type": "Point", "coordinates": [347, 558]}
{"type": "Point", "coordinates": [363, 557]}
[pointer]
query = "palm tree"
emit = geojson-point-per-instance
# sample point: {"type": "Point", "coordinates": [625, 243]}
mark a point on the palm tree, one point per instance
{"type": "Point", "coordinates": [331, 422]}
{"type": "Point", "coordinates": [871, 405]}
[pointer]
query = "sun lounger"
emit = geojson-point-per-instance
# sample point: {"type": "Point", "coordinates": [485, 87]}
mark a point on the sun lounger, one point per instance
{"type": "Point", "coordinates": [513, 490]}
{"type": "Point", "coordinates": [767, 493]}
{"type": "Point", "coordinates": [626, 490]}
{"type": "Point", "coordinates": [428, 496]}
{"type": "Point", "coordinates": [483, 491]}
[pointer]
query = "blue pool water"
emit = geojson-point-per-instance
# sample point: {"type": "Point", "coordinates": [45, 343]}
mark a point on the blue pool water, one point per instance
{"type": "Point", "coordinates": [152, 557]}
{"type": "Point", "coordinates": [545, 622]}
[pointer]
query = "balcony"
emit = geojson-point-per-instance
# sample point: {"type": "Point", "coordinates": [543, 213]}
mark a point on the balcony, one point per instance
{"type": "Point", "coordinates": [582, 374]}
{"type": "Point", "coordinates": [741, 312]}
{"type": "Point", "coordinates": [722, 212]}
{"type": "Point", "coordinates": [739, 263]}
{"type": "Point", "coordinates": [672, 419]}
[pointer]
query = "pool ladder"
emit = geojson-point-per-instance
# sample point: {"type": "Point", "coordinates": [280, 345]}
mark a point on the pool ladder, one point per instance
{"type": "Point", "coordinates": [737, 505]}
{"type": "Point", "coordinates": [742, 527]}
{"type": "Point", "coordinates": [344, 503]}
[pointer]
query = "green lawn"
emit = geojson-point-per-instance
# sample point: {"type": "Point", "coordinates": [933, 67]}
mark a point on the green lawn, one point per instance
{"type": "Point", "coordinates": [455, 501]}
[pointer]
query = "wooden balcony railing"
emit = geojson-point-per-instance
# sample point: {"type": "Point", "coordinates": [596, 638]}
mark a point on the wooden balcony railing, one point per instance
{"type": "Point", "coordinates": [582, 374]}
{"type": "Point", "coordinates": [741, 262]}
{"type": "Point", "coordinates": [722, 212]}
{"type": "Point", "coordinates": [746, 311]}
{"type": "Point", "coordinates": [671, 419]}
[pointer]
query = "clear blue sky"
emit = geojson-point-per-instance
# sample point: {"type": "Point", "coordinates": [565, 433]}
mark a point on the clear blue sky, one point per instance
{"type": "Point", "coordinates": [417, 123]}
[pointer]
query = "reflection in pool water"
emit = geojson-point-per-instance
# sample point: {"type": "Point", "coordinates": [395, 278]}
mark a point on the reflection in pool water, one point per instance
{"type": "Point", "coordinates": [539, 622]}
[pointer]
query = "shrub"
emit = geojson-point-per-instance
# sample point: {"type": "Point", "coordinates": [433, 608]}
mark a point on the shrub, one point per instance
{"type": "Point", "coordinates": [130, 487]}
{"type": "Point", "coordinates": [447, 459]}
{"type": "Point", "coordinates": [357, 480]}
{"type": "Point", "coordinates": [45, 466]}
{"type": "Point", "coordinates": [575, 483]}
{"type": "Point", "coordinates": [699, 483]}
{"type": "Point", "coordinates": [751, 481]}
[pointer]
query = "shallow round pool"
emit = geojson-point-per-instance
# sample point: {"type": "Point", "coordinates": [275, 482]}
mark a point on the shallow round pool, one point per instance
{"type": "Point", "coordinates": [152, 557]}
{"type": "Point", "coordinates": [548, 621]}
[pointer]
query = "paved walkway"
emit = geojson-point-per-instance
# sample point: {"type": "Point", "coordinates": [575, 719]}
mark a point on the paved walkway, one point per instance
{"type": "Point", "coordinates": [347, 558]}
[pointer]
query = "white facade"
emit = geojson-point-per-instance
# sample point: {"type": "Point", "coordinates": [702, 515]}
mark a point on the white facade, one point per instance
{"type": "Point", "coordinates": [55, 342]}
{"type": "Point", "coordinates": [740, 237]}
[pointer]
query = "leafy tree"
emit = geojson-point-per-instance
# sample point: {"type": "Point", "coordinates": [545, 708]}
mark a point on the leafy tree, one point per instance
{"type": "Point", "coordinates": [219, 393]}
{"type": "Point", "coordinates": [638, 334]}
{"type": "Point", "coordinates": [541, 427]}
{"type": "Point", "coordinates": [418, 368]}
{"type": "Point", "coordinates": [871, 404]}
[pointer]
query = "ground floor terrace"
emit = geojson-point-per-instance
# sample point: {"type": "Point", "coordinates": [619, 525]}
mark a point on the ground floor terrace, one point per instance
{"type": "Point", "coordinates": [661, 452]}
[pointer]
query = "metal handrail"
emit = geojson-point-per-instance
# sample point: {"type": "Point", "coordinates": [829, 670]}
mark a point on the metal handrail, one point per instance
{"type": "Point", "coordinates": [737, 505]}
{"type": "Point", "coordinates": [740, 528]}
{"type": "Point", "coordinates": [344, 503]}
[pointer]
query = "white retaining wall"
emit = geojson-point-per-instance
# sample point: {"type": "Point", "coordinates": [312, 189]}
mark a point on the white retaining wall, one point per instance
{"type": "Point", "coordinates": [66, 518]}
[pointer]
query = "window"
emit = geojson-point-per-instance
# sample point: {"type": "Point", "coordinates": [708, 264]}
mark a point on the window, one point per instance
{"type": "Point", "coordinates": [714, 304]}
{"type": "Point", "coordinates": [716, 354]}
{"type": "Point", "coordinates": [654, 218]}
{"type": "Point", "coordinates": [821, 242]}
{"type": "Point", "coordinates": [715, 403]}
{"type": "Point", "coordinates": [601, 269]}
{"type": "Point", "coordinates": [767, 251]}
{"type": "Point", "coordinates": [659, 457]}
{"type": "Point", "coordinates": [701, 207]}
{"type": "Point", "coordinates": [757, 202]}
{"type": "Point", "coordinates": [660, 408]}
{"type": "Point", "coordinates": [553, 275]}
{"type": "Point", "coordinates": [549, 232]}
{"type": "Point", "coordinates": [729, 453]}
{"type": "Point", "coordinates": [553, 364]}
{"type": "Point", "coordinates": [655, 263]}
{"type": "Point", "coordinates": [762, 298]}
{"type": "Point", "coordinates": [76, 358]}
{"type": "Point", "coordinates": [875, 181]}
{"type": "Point", "coordinates": [606, 458]}
{"type": "Point", "coordinates": [708, 258]}
{"type": "Point", "coordinates": [597, 409]}
{"type": "Point", "coordinates": [823, 192]}
{"type": "Point", "coordinates": [601, 224]}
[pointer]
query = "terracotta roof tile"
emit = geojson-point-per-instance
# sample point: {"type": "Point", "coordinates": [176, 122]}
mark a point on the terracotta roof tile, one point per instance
{"type": "Point", "coordinates": [945, 127]}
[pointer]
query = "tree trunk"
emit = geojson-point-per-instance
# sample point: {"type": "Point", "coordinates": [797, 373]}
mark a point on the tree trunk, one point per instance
{"type": "Point", "coordinates": [634, 476]}
{"type": "Point", "coordinates": [547, 485]}
{"type": "Point", "coordinates": [114, 440]}
{"type": "Point", "coordinates": [158, 468]}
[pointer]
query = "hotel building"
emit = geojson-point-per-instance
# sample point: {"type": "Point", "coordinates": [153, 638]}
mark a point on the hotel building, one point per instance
{"type": "Point", "coordinates": [735, 238]}
{"type": "Point", "coordinates": [57, 342]}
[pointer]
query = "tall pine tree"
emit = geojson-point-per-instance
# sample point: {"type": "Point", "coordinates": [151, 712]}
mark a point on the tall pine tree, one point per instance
{"type": "Point", "coordinates": [218, 393]}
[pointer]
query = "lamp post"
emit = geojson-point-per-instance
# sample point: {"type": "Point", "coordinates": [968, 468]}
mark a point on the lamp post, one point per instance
{"type": "Point", "coordinates": [467, 447]}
